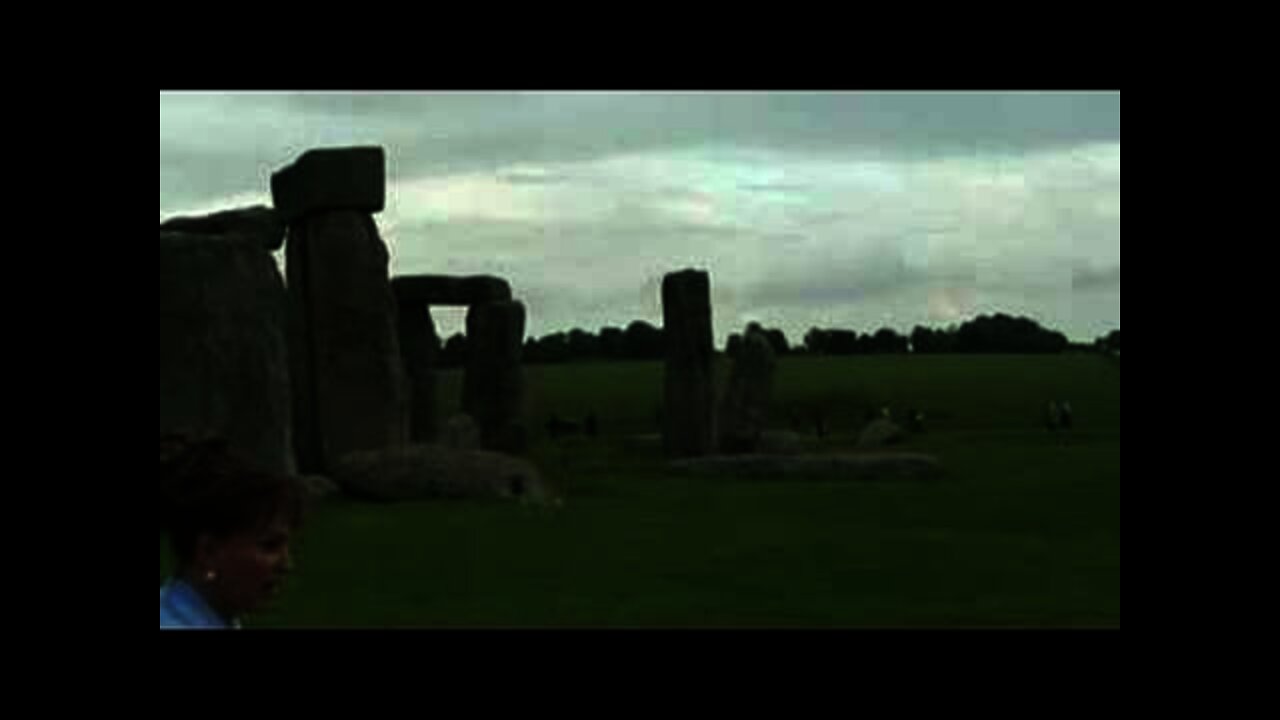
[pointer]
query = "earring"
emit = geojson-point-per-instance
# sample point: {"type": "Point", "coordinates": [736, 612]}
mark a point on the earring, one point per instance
{"type": "Point", "coordinates": [210, 576]}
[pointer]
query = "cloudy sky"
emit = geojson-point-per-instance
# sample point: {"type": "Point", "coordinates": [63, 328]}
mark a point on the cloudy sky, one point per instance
{"type": "Point", "coordinates": [853, 210]}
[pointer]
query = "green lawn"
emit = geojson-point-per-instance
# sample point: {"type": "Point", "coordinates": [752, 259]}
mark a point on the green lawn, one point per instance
{"type": "Point", "coordinates": [1025, 530]}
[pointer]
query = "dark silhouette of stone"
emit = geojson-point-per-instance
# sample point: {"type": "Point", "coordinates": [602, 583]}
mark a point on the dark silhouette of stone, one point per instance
{"type": "Point", "coordinates": [880, 433]}
{"type": "Point", "coordinates": [418, 340]}
{"type": "Point", "coordinates": [1053, 416]}
{"type": "Point", "coordinates": [689, 418]}
{"type": "Point", "coordinates": [449, 290]}
{"type": "Point", "coordinates": [745, 408]}
{"type": "Point", "coordinates": [317, 487]}
{"type": "Point", "coordinates": [493, 389]}
{"type": "Point", "coordinates": [423, 472]}
{"type": "Point", "coordinates": [771, 442]}
{"type": "Point", "coordinates": [558, 427]}
{"type": "Point", "coordinates": [330, 179]}
{"type": "Point", "coordinates": [224, 367]}
{"type": "Point", "coordinates": [415, 294]}
{"type": "Point", "coordinates": [350, 382]}
{"type": "Point", "coordinates": [820, 427]}
{"type": "Point", "coordinates": [461, 433]}
{"type": "Point", "coordinates": [258, 223]}
{"type": "Point", "coordinates": [814, 468]}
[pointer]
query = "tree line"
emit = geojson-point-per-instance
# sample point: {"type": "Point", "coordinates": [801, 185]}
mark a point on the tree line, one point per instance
{"type": "Point", "coordinates": [987, 335]}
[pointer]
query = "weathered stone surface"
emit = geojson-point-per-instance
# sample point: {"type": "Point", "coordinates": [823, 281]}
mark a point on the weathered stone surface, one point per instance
{"type": "Point", "coordinates": [330, 179]}
{"type": "Point", "coordinates": [689, 420]}
{"type": "Point", "coordinates": [880, 433]}
{"type": "Point", "coordinates": [259, 223]}
{"type": "Point", "coordinates": [421, 472]}
{"type": "Point", "coordinates": [350, 381]}
{"type": "Point", "coordinates": [745, 408]}
{"type": "Point", "coordinates": [224, 367]}
{"type": "Point", "coordinates": [771, 442]}
{"type": "Point", "coordinates": [461, 433]}
{"type": "Point", "coordinates": [853, 468]}
{"type": "Point", "coordinates": [493, 389]}
{"type": "Point", "coordinates": [450, 290]}
{"type": "Point", "coordinates": [318, 487]}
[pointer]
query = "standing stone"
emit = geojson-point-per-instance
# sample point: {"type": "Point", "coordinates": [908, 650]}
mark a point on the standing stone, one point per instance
{"type": "Point", "coordinates": [455, 290]}
{"type": "Point", "coordinates": [330, 179]}
{"type": "Point", "coordinates": [493, 389]}
{"type": "Point", "coordinates": [461, 433]}
{"type": "Point", "coordinates": [259, 223]}
{"type": "Point", "coordinates": [746, 402]}
{"type": "Point", "coordinates": [224, 367]}
{"type": "Point", "coordinates": [351, 385]}
{"type": "Point", "coordinates": [417, 348]}
{"type": "Point", "coordinates": [688, 429]}
{"type": "Point", "coordinates": [880, 433]}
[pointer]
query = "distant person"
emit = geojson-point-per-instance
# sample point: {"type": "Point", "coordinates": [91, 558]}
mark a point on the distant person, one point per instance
{"type": "Point", "coordinates": [558, 427]}
{"type": "Point", "coordinates": [915, 421]}
{"type": "Point", "coordinates": [1068, 416]}
{"type": "Point", "coordinates": [820, 423]}
{"type": "Point", "coordinates": [797, 422]}
{"type": "Point", "coordinates": [229, 526]}
{"type": "Point", "coordinates": [1053, 416]}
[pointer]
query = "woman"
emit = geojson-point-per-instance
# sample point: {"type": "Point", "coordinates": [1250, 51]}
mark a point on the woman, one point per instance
{"type": "Point", "coordinates": [229, 526]}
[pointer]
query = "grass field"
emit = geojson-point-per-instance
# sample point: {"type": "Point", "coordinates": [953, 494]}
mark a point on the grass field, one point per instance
{"type": "Point", "coordinates": [1023, 532]}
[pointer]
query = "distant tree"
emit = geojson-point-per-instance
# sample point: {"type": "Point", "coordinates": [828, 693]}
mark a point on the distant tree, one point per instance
{"type": "Point", "coordinates": [778, 341]}
{"type": "Point", "coordinates": [643, 341]}
{"type": "Point", "coordinates": [815, 341]}
{"type": "Point", "coordinates": [924, 341]}
{"type": "Point", "coordinates": [1004, 334]}
{"type": "Point", "coordinates": [454, 354]}
{"type": "Point", "coordinates": [532, 353]}
{"type": "Point", "coordinates": [555, 348]}
{"type": "Point", "coordinates": [946, 341]}
{"type": "Point", "coordinates": [613, 343]}
{"type": "Point", "coordinates": [842, 342]}
{"type": "Point", "coordinates": [864, 345]}
{"type": "Point", "coordinates": [888, 342]}
{"type": "Point", "coordinates": [734, 345]}
{"type": "Point", "coordinates": [583, 345]}
{"type": "Point", "coordinates": [1112, 342]}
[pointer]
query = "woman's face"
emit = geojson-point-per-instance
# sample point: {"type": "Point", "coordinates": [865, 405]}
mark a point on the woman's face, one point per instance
{"type": "Point", "coordinates": [248, 568]}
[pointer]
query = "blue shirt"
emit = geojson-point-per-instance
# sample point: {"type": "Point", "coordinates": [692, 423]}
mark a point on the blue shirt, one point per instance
{"type": "Point", "coordinates": [181, 607]}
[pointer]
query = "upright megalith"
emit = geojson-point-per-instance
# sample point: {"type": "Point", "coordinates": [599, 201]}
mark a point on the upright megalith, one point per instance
{"type": "Point", "coordinates": [350, 386]}
{"type": "Point", "coordinates": [418, 349]}
{"type": "Point", "coordinates": [493, 388]}
{"type": "Point", "coordinates": [224, 366]}
{"type": "Point", "coordinates": [689, 418]}
{"type": "Point", "coordinates": [745, 408]}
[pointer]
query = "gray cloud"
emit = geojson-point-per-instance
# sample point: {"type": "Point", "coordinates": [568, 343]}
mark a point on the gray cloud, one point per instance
{"type": "Point", "coordinates": [774, 187]}
{"type": "Point", "coordinates": [1090, 278]}
{"type": "Point", "coordinates": [461, 132]}
{"type": "Point", "coordinates": [807, 208]}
